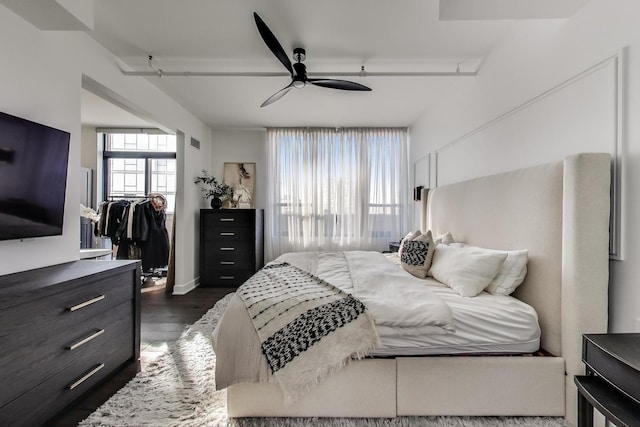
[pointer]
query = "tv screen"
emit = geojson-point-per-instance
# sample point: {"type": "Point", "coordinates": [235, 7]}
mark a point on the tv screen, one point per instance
{"type": "Point", "coordinates": [33, 178]}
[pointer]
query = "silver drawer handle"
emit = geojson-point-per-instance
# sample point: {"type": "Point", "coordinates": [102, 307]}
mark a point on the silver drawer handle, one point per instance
{"type": "Point", "coordinates": [227, 249]}
{"type": "Point", "coordinates": [85, 340]}
{"type": "Point", "coordinates": [85, 377]}
{"type": "Point", "coordinates": [227, 262]}
{"type": "Point", "coordinates": [227, 219]}
{"type": "Point", "coordinates": [86, 303]}
{"type": "Point", "coordinates": [227, 277]}
{"type": "Point", "coordinates": [227, 234]}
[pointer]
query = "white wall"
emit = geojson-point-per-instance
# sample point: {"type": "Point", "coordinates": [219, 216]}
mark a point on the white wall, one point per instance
{"type": "Point", "coordinates": [43, 94]}
{"type": "Point", "coordinates": [229, 146]}
{"type": "Point", "coordinates": [40, 79]}
{"type": "Point", "coordinates": [89, 156]}
{"type": "Point", "coordinates": [538, 97]}
{"type": "Point", "coordinates": [240, 146]}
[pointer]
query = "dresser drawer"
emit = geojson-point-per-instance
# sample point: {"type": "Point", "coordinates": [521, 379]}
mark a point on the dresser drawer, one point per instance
{"type": "Point", "coordinates": [88, 340]}
{"type": "Point", "coordinates": [229, 217]}
{"type": "Point", "coordinates": [37, 405]}
{"type": "Point", "coordinates": [225, 276]}
{"type": "Point", "coordinates": [47, 317]}
{"type": "Point", "coordinates": [227, 234]}
{"type": "Point", "coordinates": [241, 253]}
{"type": "Point", "coordinates": [229, 261]}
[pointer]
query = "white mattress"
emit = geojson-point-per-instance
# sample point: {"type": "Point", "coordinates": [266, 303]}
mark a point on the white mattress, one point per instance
{"type": "Point", "coordinates": [484, 324]}
{"type": "Point", "coordinates": [487, 324]}
{"type": "Point", "coordinates": [491, 324]}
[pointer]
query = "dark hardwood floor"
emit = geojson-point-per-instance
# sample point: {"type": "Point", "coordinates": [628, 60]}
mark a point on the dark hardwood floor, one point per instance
{"type": "Point", "coordinates": [163, 319]}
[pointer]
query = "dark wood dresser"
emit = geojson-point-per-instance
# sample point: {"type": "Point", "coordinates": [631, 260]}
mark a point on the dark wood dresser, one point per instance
{"type": "Point", "coordinates": [612, 383]}
{"type": "Point", "coordinates": [231, 245]}
{"type": "Point", "coordinates": [64, 329]}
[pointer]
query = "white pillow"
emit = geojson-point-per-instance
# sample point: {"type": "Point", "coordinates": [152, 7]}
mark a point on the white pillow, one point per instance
{"type": "Point", "coordinates": [466, 272]}
{"type": "Point", "coordinates": [444, 239]}
{"type": "Point", "coordinates": [512, 273]}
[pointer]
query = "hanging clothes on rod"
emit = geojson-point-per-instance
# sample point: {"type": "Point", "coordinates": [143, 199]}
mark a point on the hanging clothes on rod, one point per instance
{"type": "Point", "coordinates": [138, 228]}
{"type": "Point", "coordinates": [155, 248]}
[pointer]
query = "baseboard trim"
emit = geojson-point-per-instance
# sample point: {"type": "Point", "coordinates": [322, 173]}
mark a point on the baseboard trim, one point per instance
{"type": "Point", "coordinates": [185, 288]}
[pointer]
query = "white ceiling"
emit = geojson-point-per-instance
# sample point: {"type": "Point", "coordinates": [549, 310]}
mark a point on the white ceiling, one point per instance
{"type": "Point", "coordinates": [97, 112]}
{"type": "Point", "coordinates": [338, 35]}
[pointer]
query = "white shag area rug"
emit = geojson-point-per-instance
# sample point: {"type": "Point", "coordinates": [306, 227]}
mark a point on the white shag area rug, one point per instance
{"type": "Point", "coordinates": [178, 389]}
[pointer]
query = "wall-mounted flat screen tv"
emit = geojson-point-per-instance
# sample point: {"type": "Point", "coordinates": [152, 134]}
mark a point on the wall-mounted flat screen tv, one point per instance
{"type": "Point", "coordinates": [33, 178]}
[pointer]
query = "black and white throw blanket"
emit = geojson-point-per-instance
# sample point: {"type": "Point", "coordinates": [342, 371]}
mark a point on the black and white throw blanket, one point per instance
{"type": "Point", "coordinates": [307, 327]}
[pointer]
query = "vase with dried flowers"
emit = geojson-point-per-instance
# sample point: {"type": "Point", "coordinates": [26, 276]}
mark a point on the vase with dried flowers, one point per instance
{"type": "Point", "coordinates": [211, 188]}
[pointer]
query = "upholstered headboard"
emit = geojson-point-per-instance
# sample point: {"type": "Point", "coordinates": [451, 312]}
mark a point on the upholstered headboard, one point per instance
{"type": "Point", "coordinates": [560, 213]}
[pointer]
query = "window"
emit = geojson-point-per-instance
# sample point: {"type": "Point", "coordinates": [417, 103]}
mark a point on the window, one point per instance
{"type": "Point", "coordinates": [137, 164]}
{"type": "Point", "coordinates": [336, 189]}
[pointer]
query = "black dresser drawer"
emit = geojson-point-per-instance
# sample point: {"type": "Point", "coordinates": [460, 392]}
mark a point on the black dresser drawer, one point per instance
{"type": "Point", "coordinates": [228, 234]}
{"type": "Point", "coordinates": [81, 368]}
{"type": "Point", "coordinates": [226, 277]}
{"type": "Point", "coordinates": [64, 309]}
{"type": "Point", "coordinates": [229, 218]}
{"type": "Point", "coordinates": [229, 249]}
{"type": "Point", "coordinates": [240, 259]}
{"type": "Point", "coordinates": [63, 349]}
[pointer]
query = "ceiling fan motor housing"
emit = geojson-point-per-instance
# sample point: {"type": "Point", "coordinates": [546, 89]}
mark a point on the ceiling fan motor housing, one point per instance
{"type": "Point", "coordinates": [299, 54]}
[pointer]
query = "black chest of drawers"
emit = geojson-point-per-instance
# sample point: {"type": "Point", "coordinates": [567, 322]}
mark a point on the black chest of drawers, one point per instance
{"type": "Point", "coordinates": [231, 245]}
{"type": "Point", "coordinates": [64, 329]}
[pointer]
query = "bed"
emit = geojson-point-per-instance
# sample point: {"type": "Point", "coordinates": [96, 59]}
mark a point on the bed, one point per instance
{"type": "Point", "coordinates": [559, 212]}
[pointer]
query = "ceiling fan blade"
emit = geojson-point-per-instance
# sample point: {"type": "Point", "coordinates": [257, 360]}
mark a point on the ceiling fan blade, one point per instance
{"type": "Point", "coordinates": [338, 84]}
{"type": "Point", "coordinates": [272, 43]}
{"type": "Point", "coordinates": [279, 94]}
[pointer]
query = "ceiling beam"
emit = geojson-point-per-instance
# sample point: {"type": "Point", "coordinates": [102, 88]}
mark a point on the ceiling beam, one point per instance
{"type": "Point", "coordinates": [55, 15]}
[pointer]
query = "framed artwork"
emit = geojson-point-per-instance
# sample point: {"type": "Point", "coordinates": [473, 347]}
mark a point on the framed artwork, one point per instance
{"type": "Point", "coordinates": [241, 178]}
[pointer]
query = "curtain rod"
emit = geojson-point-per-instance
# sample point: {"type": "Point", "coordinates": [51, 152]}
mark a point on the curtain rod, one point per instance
{"type": "Point", "coordinates": [150, 131]}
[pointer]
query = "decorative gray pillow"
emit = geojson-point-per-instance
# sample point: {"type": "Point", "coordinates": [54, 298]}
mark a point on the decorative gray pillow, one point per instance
{"type": "Point", "coordinates": [416, 254]}
{"type": "Point", "coordinates": [410, 236]}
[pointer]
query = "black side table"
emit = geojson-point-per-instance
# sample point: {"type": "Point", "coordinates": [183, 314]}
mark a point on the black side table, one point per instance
{"type": "Point", "coordinates": [612, 383]}
{"type": "Point", "coordinates": [394, 246]}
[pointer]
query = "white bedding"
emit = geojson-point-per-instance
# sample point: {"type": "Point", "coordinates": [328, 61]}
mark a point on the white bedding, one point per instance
{"type": "Point", "coordinates": [392, 296]}
{"type": "Point", "coordinates": [486, 323]}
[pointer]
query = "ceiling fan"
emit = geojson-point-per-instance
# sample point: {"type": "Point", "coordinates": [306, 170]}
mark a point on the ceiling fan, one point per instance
{"type": "Point", "coordinates": [298, 70]}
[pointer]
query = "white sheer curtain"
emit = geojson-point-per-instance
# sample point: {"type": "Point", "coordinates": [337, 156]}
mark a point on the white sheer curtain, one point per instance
{"type": "Point", "coordinates": [336, 189]}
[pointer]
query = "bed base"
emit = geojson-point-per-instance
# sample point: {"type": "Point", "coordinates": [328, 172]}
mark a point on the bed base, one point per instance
{"type": "Point", "coordinates": [364, 388]}
{"type": "Point", "coordinates": [414, 386]}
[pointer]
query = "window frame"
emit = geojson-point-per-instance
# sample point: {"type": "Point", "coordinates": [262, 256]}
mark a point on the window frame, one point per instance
{"type": "Point", "coordinates": [148, 156]}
